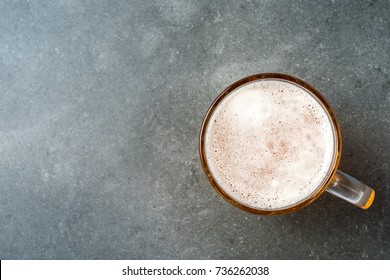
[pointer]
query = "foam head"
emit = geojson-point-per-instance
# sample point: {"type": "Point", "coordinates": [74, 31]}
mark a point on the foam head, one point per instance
{"type": "Point", "coordinates": [269, 144]}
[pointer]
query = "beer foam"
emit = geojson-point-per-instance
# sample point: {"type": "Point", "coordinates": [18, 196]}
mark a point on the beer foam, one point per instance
{"type": "Point", "coordinates": [269, 144]}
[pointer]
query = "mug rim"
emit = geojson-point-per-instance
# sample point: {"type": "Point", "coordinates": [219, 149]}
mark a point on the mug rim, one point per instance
{"type": "Point", "coordinates": [324, 103]}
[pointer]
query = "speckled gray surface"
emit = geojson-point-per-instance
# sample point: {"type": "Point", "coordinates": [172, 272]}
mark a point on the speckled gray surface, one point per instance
{"type": "Point", "coordinates": [100, 108]}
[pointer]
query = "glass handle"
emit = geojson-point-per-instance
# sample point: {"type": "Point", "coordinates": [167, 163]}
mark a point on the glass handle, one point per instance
{"type": "Point", "coordinates": [348, 188]}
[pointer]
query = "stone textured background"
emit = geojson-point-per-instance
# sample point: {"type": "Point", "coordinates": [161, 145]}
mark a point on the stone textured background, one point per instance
{"type": "Point", "coordinates": [100, 108]}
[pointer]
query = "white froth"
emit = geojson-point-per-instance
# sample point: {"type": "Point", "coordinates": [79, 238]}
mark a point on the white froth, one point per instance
{"type": "Point", "coordinates": [269, 144]}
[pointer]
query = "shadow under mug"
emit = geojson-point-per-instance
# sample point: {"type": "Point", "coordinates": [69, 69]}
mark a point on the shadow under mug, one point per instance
{"type": "Point", "coordinates": [335, 182]}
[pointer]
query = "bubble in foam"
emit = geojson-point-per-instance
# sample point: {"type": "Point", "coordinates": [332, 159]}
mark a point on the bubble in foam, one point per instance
{"type": "Point", "coordinates": [269, 141]}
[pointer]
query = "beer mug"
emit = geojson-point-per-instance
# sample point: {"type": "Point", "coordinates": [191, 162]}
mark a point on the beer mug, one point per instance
{"type": "Point", "coordinates": [271, 144]}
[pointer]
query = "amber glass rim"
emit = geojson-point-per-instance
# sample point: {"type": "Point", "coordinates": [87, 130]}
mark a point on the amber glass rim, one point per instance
{"type": "Point", "coordinates": [321, 99]}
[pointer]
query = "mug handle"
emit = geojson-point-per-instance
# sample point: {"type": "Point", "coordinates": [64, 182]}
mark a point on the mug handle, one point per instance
{"type": "Point", "coordinates": [348, 188]}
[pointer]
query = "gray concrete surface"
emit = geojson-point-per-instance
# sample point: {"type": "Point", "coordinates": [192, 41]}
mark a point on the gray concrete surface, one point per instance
{"type": "Point", "coordinates": [100, 108]}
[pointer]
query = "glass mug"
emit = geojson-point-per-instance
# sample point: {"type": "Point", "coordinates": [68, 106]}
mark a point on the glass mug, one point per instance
{"type": "Point", "coordinates": [270, 144]}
